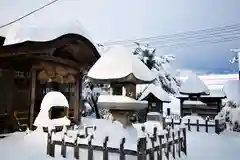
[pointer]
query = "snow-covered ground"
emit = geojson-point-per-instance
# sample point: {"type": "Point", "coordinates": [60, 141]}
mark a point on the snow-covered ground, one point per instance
{"type": "Point", "coordinates": [200, 146]}
{"type": "Point", "coordinates": [213, 147]}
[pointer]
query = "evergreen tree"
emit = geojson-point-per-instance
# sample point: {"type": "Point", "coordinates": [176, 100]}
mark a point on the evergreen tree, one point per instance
{"type": "Point", "coordinates": [167, 77]}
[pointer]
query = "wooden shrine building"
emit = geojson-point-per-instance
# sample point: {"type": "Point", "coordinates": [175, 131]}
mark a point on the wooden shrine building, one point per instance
{"type": "Point", "coordinates": [196, 98]}
{"type": "Point", "coordinates": [30, 69]}
{"type": "Point", "coordinates": [211, 104]}
{"type": "Point", "coordinates": [155, 96]}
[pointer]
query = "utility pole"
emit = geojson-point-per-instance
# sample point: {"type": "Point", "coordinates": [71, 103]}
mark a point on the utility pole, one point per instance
{"type": "Point", "coordinates": [236, 60]}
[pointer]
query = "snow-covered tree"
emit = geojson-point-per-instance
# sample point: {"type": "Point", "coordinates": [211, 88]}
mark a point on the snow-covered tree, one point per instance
{"type": "Point", "coordinates": [167, 77]}
{"type": "Point", "coordinates": [231, 114]}
{"type": "Point", "coordinates": [90, 96]}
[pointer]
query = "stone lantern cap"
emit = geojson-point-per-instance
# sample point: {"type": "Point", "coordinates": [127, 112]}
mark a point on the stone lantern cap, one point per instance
{"type": "Point", "coordinates": [119, 65]}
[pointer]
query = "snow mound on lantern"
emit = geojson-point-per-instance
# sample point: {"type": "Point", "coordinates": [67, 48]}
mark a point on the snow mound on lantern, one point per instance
{"type": "Point", "coordinates": [120, 102]}
{"type": "Point", "coordinates": [50, 100]}
{"type": "Point", "coordinates": [118, 63]}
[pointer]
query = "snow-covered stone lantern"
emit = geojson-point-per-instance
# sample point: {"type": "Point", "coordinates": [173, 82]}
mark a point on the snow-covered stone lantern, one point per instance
{"type": "Point", "coordinates": [122, 70]}
{"type": "Point", "coordinates": [53, 112]}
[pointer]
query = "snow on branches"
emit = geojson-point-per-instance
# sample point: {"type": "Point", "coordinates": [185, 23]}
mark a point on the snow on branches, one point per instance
{"type": "Point", "coordinates": [167, 77]}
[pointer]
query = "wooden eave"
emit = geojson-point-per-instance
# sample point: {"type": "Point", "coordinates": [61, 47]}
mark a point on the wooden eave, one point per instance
{"type": "Point", "coordinates": [45, 50]}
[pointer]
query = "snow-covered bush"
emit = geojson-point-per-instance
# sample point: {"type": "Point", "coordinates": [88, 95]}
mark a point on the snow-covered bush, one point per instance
{"type": "Point", "coordinates": [231, 113]}
{"type": "Point", "coordinates": [167, 77]}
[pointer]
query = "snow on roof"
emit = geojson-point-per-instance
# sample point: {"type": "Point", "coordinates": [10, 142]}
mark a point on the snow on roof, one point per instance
{"type": "Point", "coordinates": [23, 31]}
{"type": "Point", "coordinates": [120, 102]}
{"type": "Point", "coordinates": [213, 93]}
{"type": "Point", "coordinates": [119, 64]}
{"type": "Point", "coordinates": [232, 90]}
{"type": "Point", "coordinates": [157, 91]}
{"type": "Point", "coordinates": [188, 102]}
{"type": "Point", "coordinates": [193, 85]}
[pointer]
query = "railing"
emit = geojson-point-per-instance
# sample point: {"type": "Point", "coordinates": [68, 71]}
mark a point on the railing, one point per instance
{"type": "Point", "coordinates": [218, 124]}
{"type": "Point", "coordinates": [172, 142]}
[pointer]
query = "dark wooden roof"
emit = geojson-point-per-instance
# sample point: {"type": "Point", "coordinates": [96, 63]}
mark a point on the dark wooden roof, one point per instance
{"type": "Point", "coordinates": [69, 49]}
{"type": "Point", "coordinates": [185, 97]}
{"type": "Point", "coordinates": [2, 39]}
{"type": "Point", "coordinates": [152, 98]}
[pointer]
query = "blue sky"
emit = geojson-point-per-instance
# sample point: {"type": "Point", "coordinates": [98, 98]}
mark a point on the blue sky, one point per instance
{"type": "Point", "coordinates": [109, 20]}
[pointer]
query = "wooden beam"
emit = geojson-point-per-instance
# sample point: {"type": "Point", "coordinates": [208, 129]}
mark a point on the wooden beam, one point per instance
{"type": "Point", "coordinates": [32, 97]}
{"type": "Point", "coordinates": [67, 62]}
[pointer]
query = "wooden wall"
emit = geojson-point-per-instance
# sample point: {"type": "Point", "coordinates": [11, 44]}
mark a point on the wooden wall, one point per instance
{"type": "Point", "coordinates": [211, 109]}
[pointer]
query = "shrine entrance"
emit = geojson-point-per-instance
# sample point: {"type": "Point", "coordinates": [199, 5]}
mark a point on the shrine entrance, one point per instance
{"type": "Point", "coordinates": [29, 70]}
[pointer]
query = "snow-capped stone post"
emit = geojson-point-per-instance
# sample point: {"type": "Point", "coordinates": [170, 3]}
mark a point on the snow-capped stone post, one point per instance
{"type": "Point", "coordinates": [173, 144]}
{"type": "Point", "coordinates": [122, 154]}
{"type": "Point", "coordinates": [184, 141]}
{"type": "Point", "coordinates": [217, 130]}
{"type": "Point", "coordinates": [179, 143]}
{"type": "Point", "coordinates": [90, 148]}
{"type": "Point", "coordinates": [197, 125]}
{"type": "Point", "coordinates": [141, 147]}
{"type": "Point", "coordinates": [76, 149]}
{"type": "Point", "coordinates": [189, 125]}
{"type": "Point", "coordinates": [105, 149]}
{"type": "Point", "coordinates": [206, 124]}
{"type": "Point", "coordinates": [50, 145]}
{"type": "Point", "coordinates": [63, 146]}
{"type": "Point", "coordinates": [160, 137]}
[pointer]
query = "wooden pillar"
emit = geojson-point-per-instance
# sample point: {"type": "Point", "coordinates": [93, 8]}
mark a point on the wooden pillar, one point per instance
{"type": "Point", "coordinates": [219, 105]}
{"type": "Point", "coordinates": [76, 106]}
{"type": "Point", "coordinates": [80, 99]}
{"type": "Point", "coordinates": [10, 94]}
{"type": "Point", "coordinates": [32, 96]}
{"type": "Point", "coordinates": [11, 124]}
{"type": "Point", "coordinates": [181, 107]}
{"type": "Point", "coordinates": [160, 104]}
